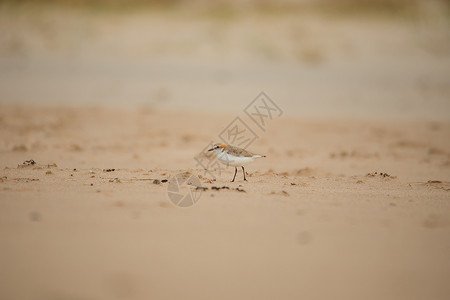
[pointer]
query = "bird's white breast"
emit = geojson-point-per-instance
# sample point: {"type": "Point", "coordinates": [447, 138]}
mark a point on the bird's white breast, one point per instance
{"type": "Point", "coordinates": [231, 160]}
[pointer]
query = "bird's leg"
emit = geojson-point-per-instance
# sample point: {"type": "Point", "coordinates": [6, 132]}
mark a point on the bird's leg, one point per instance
{"type": "Point", "coordinates": [243, 171]}
{"type": "Point", "coordinates": [235, 171]}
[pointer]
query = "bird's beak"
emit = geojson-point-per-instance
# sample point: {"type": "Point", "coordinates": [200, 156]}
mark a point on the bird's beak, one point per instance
{"type": "Point", "coordinates": [211, 149]}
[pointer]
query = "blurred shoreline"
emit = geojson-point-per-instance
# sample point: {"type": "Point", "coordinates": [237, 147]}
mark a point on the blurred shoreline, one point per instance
{"type": "Point", "coordinates": [231, 7]}
{"type": "Point", "coordinates": [356, 62]}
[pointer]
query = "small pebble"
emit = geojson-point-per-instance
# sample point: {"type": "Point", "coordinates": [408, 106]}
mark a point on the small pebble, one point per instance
{"type": "Point", "coordinates": [434, 181]}
{"type": "Point", "coordinates": [35, 216]}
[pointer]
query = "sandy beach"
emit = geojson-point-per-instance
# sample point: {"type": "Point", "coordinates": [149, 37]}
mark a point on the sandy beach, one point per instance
{"type": "Point", "coordinates": [314, 212]}
{"type": "Point", "coordinates": [351, 202]}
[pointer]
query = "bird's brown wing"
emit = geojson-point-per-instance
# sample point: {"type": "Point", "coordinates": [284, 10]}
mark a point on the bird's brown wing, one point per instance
{"type": "Point", "coordinates": [236, 151]}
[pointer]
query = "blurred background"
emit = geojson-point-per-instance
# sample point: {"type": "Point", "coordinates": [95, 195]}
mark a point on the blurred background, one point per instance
{"type": "Point", "coordinates": [316, 58]}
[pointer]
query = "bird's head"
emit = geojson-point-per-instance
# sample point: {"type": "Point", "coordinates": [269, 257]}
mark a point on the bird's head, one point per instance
{"type": "Point", "coordinates": [218, 147]}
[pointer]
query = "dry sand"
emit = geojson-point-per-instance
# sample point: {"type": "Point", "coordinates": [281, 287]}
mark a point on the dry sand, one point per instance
{"type": "Point", "coordinates": [311, 223]}
{"type": "Point", "coordinates": [351, 202]}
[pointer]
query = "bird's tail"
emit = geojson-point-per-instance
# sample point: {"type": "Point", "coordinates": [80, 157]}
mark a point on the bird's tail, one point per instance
{"type": "Point", "coordinates": [258, 156]}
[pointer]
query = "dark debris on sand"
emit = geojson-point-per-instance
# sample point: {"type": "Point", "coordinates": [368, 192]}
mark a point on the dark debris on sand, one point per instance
{"type": "Point", "coordinates": [218, 188]}
{"type": "Point", "coordinates": [27, 163]}
{"type": "Point", "coordinates": [381, 174]}
{"type": "Point", "coordinates": [201, 188]}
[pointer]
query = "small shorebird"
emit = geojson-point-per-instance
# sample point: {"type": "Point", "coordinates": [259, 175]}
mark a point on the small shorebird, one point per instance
{"type": "Point", "coordinates": [234, 156]}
